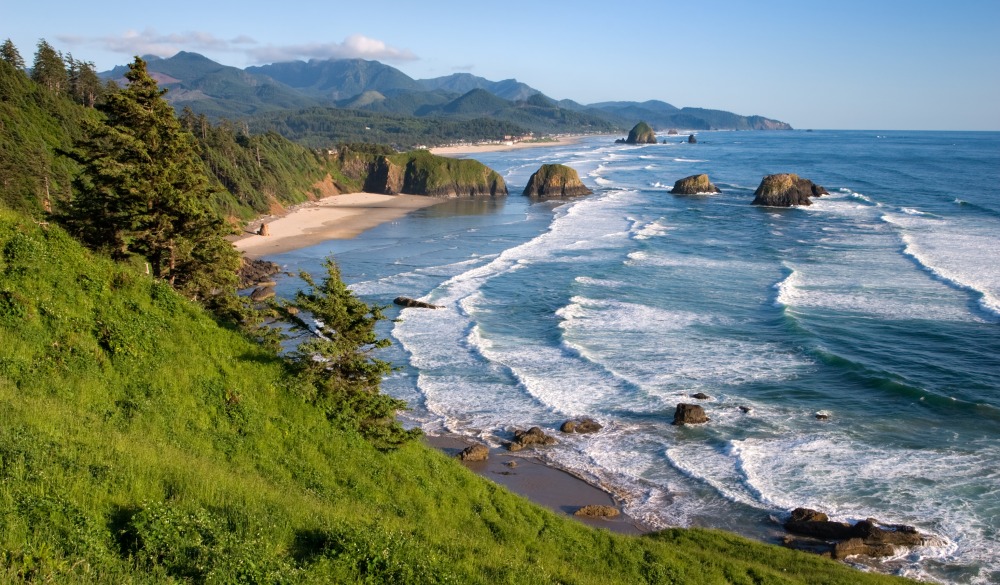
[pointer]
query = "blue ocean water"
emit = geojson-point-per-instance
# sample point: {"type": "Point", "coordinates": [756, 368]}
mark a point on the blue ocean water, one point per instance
{"type": "Point", "coordinates": [879, 306]}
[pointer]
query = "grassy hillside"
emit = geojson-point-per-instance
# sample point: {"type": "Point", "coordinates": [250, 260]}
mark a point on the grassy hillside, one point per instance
{"type": "Point", "coordinates": [141, 442]}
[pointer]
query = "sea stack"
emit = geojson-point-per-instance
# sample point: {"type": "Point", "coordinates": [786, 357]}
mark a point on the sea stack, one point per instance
{"type": "Point", "coordinates": [694, 185]}
{"type": "Point", "coordinates": [641, 133]}
{"type": "Point", "coordinates": [556, 181]}
{"type": "Point", "coordinates": [786, 190]}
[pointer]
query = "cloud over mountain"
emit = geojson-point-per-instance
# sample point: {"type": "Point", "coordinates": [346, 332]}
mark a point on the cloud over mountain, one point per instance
{"type": "Point", "coordinates": [151, 42]}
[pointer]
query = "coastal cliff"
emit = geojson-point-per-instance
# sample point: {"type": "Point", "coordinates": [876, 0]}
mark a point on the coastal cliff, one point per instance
{"type": "Point", "coordinates": [419, 172]}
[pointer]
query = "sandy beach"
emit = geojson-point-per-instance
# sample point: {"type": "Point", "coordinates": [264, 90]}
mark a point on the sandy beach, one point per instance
{"type": "Point", "coordinates": [463, 150]}
{"type": "Point", "coordinates": [548, 486]}
{"type": "Point", "coordinates": [331, 218]}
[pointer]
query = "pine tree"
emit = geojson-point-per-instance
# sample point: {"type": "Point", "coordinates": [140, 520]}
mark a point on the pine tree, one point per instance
{"type": "Point", "coordinates": [85, 87]}
{"type": "Point", "coordinates": [143, 192]}
{"type": "Point", "coordinates": [336, 358]}
{"type": "Point", "coordinates": [9, 53]}
{"type": "Point", "coordinates": [49, 70]}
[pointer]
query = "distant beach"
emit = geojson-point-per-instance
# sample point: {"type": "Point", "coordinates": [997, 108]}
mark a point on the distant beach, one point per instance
{"type": "Point", "coordinates": [470, 149]}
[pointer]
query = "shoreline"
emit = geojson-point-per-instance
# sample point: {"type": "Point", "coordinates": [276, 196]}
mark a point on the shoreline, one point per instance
{"type": "Point", "coordinates": [344, 216]}
{"type": "Point", "coordinates": [542, 483]}
{"type": "Point", "coordinates": [335, 217]}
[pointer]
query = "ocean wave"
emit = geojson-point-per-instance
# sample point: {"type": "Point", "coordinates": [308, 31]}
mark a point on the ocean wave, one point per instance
{"type": "Point", "coordinates": [690, 160]}
{"type": "Point", "coordinates": [961, 255]}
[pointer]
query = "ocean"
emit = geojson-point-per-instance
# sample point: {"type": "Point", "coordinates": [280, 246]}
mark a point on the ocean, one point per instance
{"type": "Point", "coordinates": [878, 306]}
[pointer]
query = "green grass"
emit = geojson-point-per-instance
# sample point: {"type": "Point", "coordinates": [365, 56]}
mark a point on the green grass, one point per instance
{"type": "Point", "coordinates": [140, 442]}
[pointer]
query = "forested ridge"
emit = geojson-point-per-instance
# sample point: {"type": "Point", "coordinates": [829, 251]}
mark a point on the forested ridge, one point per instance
{"type": "Point", "coordinates": [152, 431]}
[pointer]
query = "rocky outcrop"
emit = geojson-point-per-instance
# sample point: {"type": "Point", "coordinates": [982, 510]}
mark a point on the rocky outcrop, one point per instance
{"type": "Point", "coordinates": [556, 181]}
{"type": "Point", "coordinates": [528, 438]}
{"type": "Point", "coordinates": [262, 293]}
{"type": "Point", "coordinates": [700, 396]}
{"type": "Point", "coordinates": [840, 539]}
{"type": "Point", "coordinates": [785, 190]}
{"type": "Point", "coordinates": [421, 173]}
{"type": "Point", "coordinates": [692, 139]}
{"type": "Point", "coordinates": [477, 452]}
{"type": "Point", "coordinates": [597, 511]}
{"type": "Point", "coordinates": [689, 414]}
{"type": "Point", "coordinates": [580, 425]}
{"type": "Point", "coordinates": [694, 185]}
{"type": "Point", "coordinates": [413, 303]}
{"type": "Point", "coordinates": [641, 133]}
{"type": "Point", "coordinates": [256, 272]}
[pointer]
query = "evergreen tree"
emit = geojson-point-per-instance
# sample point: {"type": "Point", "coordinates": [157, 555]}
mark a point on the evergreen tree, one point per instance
{"type": "Point", "coordinates": [85, 87]}
{"type": "Point", "coordinates": [336, 358]}
{"type": "Point", "coordinates": [9, 53]}
{"type": "Point", "coordinates": [143, 192]}
{"type": "Point", "coordinates": [49, 70]}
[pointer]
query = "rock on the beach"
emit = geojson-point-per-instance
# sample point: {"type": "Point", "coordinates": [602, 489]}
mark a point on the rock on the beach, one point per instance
{"type": "Point", "coordinates": [556, 181]}
{"type": "Point", "coordinates": [597, 511]}
{"type": "Point", "coordinates": [687, 414]}
{"type": "Point", "coordinates": [641, 133]}
{"type": "Point", "coordinates": [408, 302]}
{"type": "Point", "coordinates": [694, 185]}
{"type": "Point", "coordinates": [580, 425]}
{"type": "Point", "coordinates": [533, 436]}
{"type": "Point", "coordinates": [785, 190]}
{"type": "Point", "coordinates": [264, 230]}
{"type": "Point", "coordinates": [477, 452]}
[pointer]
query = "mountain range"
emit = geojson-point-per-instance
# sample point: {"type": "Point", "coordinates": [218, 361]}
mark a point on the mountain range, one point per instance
{"type": "Point", "coordinates": [222, 91]}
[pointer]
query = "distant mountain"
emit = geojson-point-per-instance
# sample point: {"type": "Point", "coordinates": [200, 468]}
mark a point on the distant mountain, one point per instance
{"type": "Point", "coordinates": [508, 89]}
{"type": "Point", "coordinates": [220, 91]}
{"type": "Point", "coordinates": [217, 90]}
{"type": "Point", "coordinates": [336, 79]}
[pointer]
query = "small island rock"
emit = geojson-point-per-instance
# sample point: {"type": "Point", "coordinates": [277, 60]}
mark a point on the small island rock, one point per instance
{"type": "Point", "coordinates": [556, 181]}
{"type": "Point", "coordinates": [840, 539]}
{"type": "Point", "coordinates": [687, 414]}
{"type": "Point", "coordinates": [694, 185]}
{"type": "Point", "coordinates": [692, 139]}
{"type": "Point", "coordinates": [533, 436]}
{"type": "Point", "coordinates": [641, 133]}
{"type": "Point", "coordinates": [580, 425]}
{"type": "Point", "coordinates": [413, 303]}
{"type": "Point", "coordinates": [785, 190]}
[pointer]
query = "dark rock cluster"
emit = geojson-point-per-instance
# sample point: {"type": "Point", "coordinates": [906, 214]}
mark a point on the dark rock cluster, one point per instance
{"type": "Point", "coordinates": [786, 190]}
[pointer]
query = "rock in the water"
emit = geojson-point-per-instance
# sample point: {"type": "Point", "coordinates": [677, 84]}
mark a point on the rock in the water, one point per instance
{"type": "Point", "coordinates": [840, 539]}
{"type": "Point", "coordinates": [641, 133]}
{"type": "Point", "coordinates": [597, 511]}
{"type": "Point", "coordinates": [255, 272]}
{"type": "Point", "coordinates": [745, 409]}
{"type": "Point", "coordinates": [262, 293]}
{"type": "Point", "coordinates": [419, 172]}
{"type": "Point", "coordinates": [785, 190]}
{"type": "Point", "coordinates": [694, 185]}
{"type": "Point", "coordinates": [822, 415]}
{"type": "Point", "coordinates": [556, 181]}
{"type": "Point", "coordinates": [477, 452]}
{"type": "Point", "coordinates": [413, 303]}
{"type": "Point", "coordinates": [689, 414]}
{"type": "Point", "coordinates": [533, 436]}
{"type": "Point", "coordinates": [692, 139]}
{"type": "Point", "coordinates": [672, 132]}
{"type": "Point", "coordinates": [580, 425]}
{"type": "Point", "coordinates": [700, 396]}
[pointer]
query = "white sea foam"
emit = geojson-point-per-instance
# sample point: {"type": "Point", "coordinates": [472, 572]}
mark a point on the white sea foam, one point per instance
{"type": "Point", "coordinates": [852, 481]}
{"type": "Point", "coordinates": [652, 229]}
{"type": "Point", "coordinates": [961, 254]}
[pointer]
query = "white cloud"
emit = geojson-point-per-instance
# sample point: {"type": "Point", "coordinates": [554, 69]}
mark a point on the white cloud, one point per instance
{"type": "Point", "coordinates": [151, 42]}
{"type": "Point", "coordinates": [353, 47]}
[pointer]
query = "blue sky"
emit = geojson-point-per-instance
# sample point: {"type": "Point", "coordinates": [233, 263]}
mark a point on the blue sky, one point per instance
{"type": "Point", "coordinates": [875, 64]}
